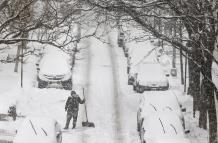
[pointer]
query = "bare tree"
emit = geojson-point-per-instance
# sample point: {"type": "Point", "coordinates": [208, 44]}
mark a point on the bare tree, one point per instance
{"type": "Point", "coordinates": [199, 19]}
{"type": "Point", "coordinates": [44, 21]}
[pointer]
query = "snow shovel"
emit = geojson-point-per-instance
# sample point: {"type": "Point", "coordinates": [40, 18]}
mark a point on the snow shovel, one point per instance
{"type": "Point", "coordinates": [87, 123]}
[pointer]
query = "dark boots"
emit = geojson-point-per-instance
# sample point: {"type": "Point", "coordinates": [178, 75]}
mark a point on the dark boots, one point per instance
{"type": "Point", "coordinates": [74, 125]}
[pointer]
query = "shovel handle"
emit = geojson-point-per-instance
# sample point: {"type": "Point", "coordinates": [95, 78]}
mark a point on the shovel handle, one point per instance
{"type": "Point", "coordinates": [85, 105]}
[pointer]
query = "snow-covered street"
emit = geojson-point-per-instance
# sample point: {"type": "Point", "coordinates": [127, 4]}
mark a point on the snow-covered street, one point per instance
{"type": "Point", "coordinates": [111, 103]}
{"type": "Point", "coordinates": [98, 72]}
{"type": "Point", "coordinates": [105, 101]}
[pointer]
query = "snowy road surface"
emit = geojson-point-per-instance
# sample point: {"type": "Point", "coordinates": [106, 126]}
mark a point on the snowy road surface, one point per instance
{"type": "Point", "coordinates": [101, 71]}
{"type": "Point", "coordinates": [112, 104]}
{"type": "Point", "coordinates": [102, 91]}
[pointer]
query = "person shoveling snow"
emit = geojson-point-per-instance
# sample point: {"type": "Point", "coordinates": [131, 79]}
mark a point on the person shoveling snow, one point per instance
{"type": "Point", "coordinates": [72, 107]}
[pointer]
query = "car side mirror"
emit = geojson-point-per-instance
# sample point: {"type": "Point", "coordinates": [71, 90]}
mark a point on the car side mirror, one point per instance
{"type": "Point", "coordinates": [183, 109]}
{"type": "Point", "coordinates": [187, 131]}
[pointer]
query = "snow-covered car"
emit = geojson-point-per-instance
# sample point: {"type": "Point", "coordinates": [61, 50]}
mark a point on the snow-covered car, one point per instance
{"type": "Point", "coordinates": [150, 77]}
{"type": "Point", "coordinates": [54, 69]}
{"type": "Point", "coordinates": [159, 101]}
{"type": "Point", "coordinates": [163, 128]}
{"type": "Point", "coordinates": [38, 130]}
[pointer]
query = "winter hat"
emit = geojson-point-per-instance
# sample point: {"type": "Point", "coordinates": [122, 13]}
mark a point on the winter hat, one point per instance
{"type": "Point", "coordinates": [73, 92]}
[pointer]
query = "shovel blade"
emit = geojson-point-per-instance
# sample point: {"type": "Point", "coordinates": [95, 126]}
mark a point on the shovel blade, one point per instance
{"type": "Point", "coordinates": [88, 124]}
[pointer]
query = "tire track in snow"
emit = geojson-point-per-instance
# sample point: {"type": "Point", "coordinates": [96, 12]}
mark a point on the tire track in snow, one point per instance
{"type": "Point", "coordinates": [116, 121]}
{"type": "Point", "coordinates": [117, 118]}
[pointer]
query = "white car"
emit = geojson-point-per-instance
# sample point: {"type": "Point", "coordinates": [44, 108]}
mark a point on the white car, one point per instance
{"type": "Point", "coordinates": [54, 69]}
{"type": "Point", "coordinates": [38, 130]}
{"type": "Point", "coordinates": [159, 101]}
{"type": "Point", "coordinates": [162, 127]}
{"type": "Point", "coordinates": [150, 77]}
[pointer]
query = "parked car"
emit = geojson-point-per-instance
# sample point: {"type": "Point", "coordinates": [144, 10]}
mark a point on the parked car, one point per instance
{"type": "Point", "coordinates": [38, 130]}
{"type": "Point", "coordinates": [162, 127]}
{"type": "Point", "coordinates": [159, 101]}
{"type": "Point", "coordinates": [54, 69]}
{"type": "Point", "coordinates": [150, 77]}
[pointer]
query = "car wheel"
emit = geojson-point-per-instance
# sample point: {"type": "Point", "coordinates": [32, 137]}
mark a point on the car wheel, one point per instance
{"type": "Point", "coordinates": [138, 126]}
{"type": "Point", "coordinates": [67, 85]}
{"type": "Point", "coordinates": [141, 90]}
{"type": "Point", "coordinates": [134, 87]}
{"type": "Point", "coordinates": [137, 88]}
{"type": "Point", "coordinates": [129, 82]}
{"type": "Point", "coordinates": [42, 84]}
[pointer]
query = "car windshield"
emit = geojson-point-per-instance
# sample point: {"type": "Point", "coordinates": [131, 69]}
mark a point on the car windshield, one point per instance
{"type": "Point", "coordinates": [150, 70]}
{"type": "Point", "coordinates": [52, 64]}
{"type": "Point", "coordinates": [162, 101]}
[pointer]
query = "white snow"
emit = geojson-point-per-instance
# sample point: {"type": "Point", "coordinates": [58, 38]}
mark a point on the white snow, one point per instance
{"type": "Point", "coordinates": [37, 129]}
{"type": "Point", "coordinates": [149, 74]}
{"type": "Point", "coordinates": [163, 125]}
{"type": "Point", "coordinates": [111, 103]}
{"type": "Point", "coordinates": [54, 65]}
{"type": "Point", "coordinates": [160, 101]}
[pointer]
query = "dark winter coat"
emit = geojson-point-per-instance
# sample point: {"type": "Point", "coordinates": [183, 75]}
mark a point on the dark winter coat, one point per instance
{"type": "Point", "coordinates": [72, 104]}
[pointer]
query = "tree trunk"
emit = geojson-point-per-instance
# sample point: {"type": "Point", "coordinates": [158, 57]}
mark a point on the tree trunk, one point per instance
{"type": "Point", "coordinates": [194, 79]}
{"type": "Point", "coordinates": [208, 95]}
{"type": "Point", "coordinates": [17, 58]}
{"type": "Point", "coordinates": [208, 104]}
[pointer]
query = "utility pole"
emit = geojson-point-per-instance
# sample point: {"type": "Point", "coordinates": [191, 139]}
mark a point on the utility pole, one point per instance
{"type": "Point", "coordinates": [174, 70]}
{"type": "Point", "coordinates": [160, 41]}
{"type": "Point", "coordinates": [21, 71]}
{"type": "Point", "coordinates": [186, 61]}
{"type": "Point", "coordinates": [17, 58]}
{"type": "Point", "coordinates": [174, 49]}
{"type": "Point", "coordinates": [181, 58]}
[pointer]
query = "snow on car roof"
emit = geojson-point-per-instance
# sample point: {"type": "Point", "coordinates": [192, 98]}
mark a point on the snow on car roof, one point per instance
{"type": "Point", "coordinates": [159, 101]}
{"type": "Point", "coordinates": [163, 124]}
{"type": "Point", "coordinates": [55, 64]}
{"type": "Point", "coordinates": [151, 72]}
{"type": "Point", "coordinates": [161, 97]}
